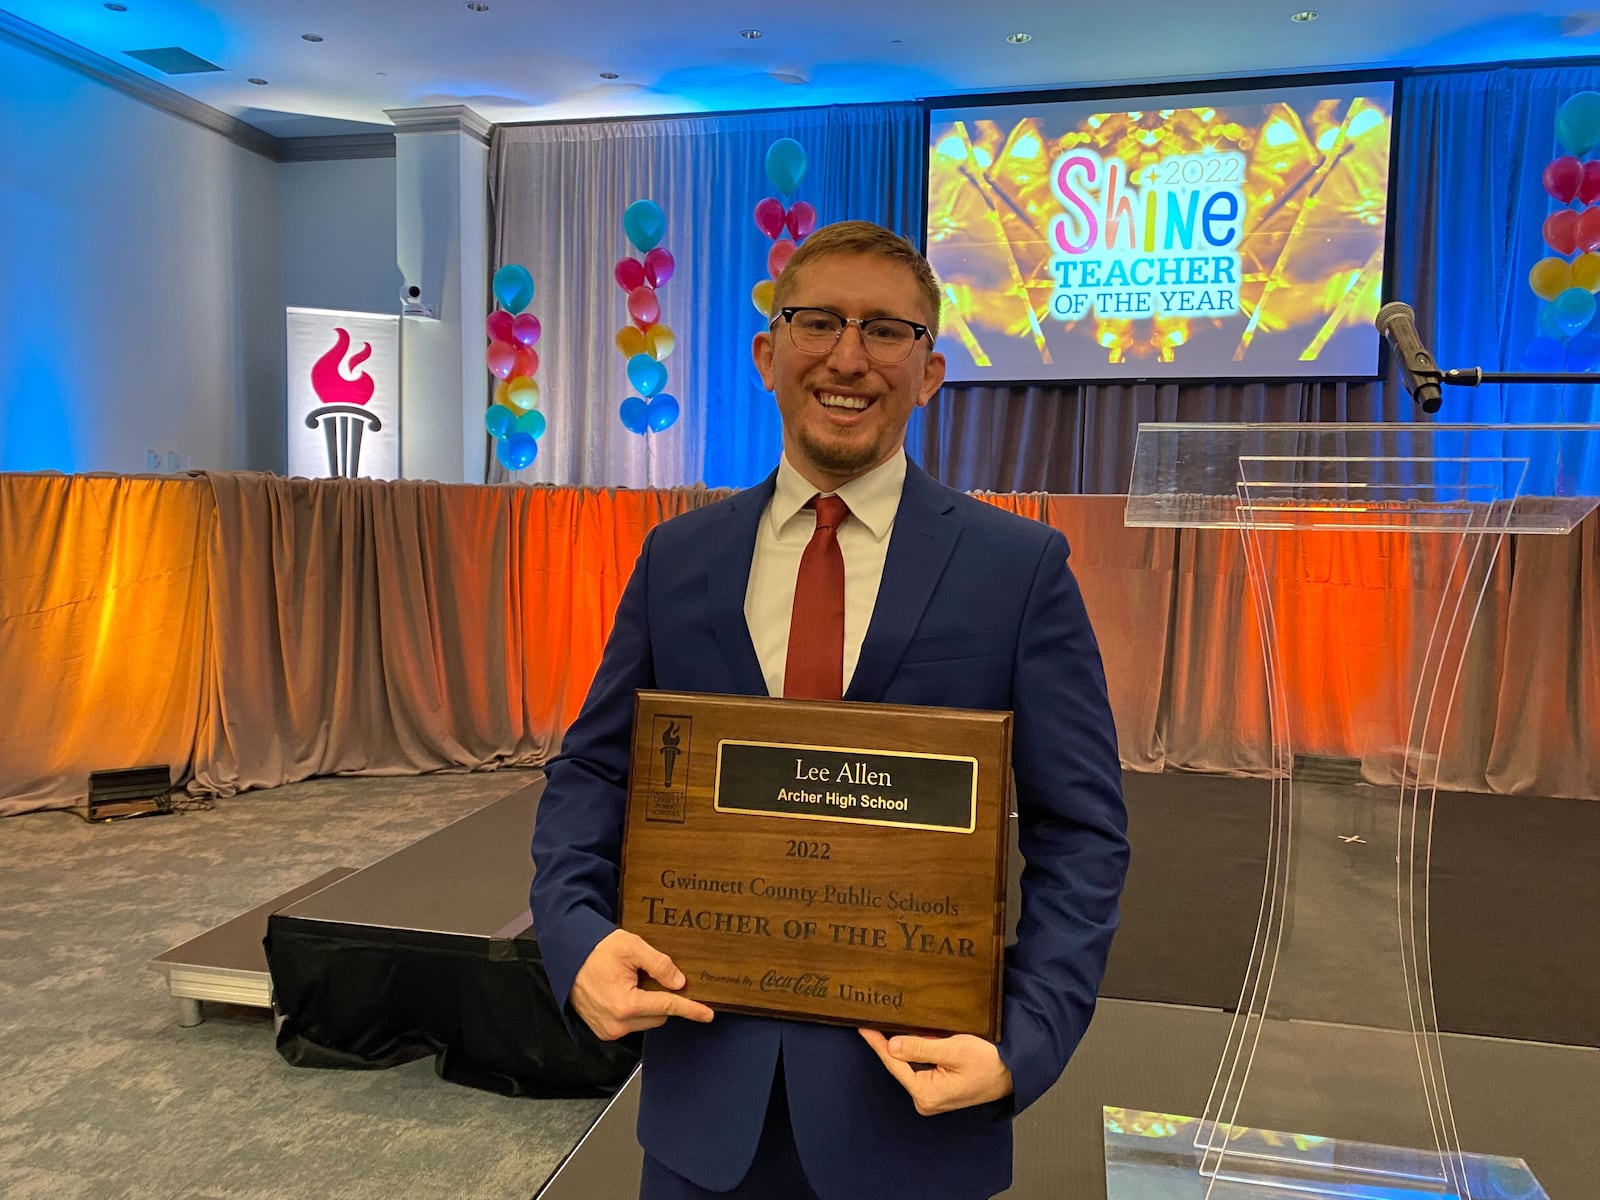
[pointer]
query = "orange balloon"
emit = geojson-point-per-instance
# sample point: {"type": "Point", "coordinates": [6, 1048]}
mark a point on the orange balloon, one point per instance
{"type": "Point", "coordinates": [630, 341]}
{"type": "Point", "coordinates": [1550, 277]}
{"type": "Point", "coordinates": [1586, 272]}
{"type": "Point", "coordinates": [523, 393]}
{"type": "Point", "coordinates": [501, 391]}
{"type": "Point", "coordinates": [761, 297]}
{"type": "Point", "coordinates": [659, 342]}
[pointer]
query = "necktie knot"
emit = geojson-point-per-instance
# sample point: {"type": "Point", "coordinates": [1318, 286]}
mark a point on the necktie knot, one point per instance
{"type": "Point", "coordinates": [831, 511]}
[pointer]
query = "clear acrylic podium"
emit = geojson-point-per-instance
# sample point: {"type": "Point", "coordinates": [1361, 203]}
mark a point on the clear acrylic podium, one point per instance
{"type": "Point", "coordinates": [1338, 996]}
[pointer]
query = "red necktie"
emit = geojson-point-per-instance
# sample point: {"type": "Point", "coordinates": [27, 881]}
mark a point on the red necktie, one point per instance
{"type": "Point", "coordinates": [814, 669]}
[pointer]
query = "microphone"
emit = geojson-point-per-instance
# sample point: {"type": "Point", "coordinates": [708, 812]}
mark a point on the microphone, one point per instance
{"type": "Point", "coordinates": [1398, 324]}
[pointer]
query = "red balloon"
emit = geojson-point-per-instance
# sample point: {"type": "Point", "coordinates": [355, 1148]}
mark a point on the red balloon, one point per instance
{"type": "Point", "coordinates": [1588, 234]}
{"type": "Point", "coordinates": [1562, 177]}
{"type": "Point", "coordinates": [526, 362]}
{"type": "Point", "coordinates": [802, 221]}
{"type": "Point", "coordinates": [499, 325]}
{"type": "Point", "coordinates": [643, 307]}
{"type": "Point", "coordinates": [770, 217]}
{"type": "Point", "coordinates": [629, 274]}
{"type": "Point", "coordinates": [502, 359]}
{"type": "Point", "coordinates": [1561, 231]}
{"type": "Point", "coordinates": [1589, 189]}
{"type": "Point", "coordinates": [525, 329]}
{"type": "Point", "coordinates": [658, 267]}
{"type": "Point", "coordinates": [778, 257]}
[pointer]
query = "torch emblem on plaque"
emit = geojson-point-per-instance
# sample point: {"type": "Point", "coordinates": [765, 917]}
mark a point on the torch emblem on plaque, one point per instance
{"type": "Point", "coordinates": [668, 796]}
{"type": "Point", "coordinates": [343, 416]}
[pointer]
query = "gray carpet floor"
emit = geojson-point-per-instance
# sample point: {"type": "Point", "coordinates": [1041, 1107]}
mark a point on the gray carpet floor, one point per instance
{"type": "Point", "coordinates": [104, 1095]}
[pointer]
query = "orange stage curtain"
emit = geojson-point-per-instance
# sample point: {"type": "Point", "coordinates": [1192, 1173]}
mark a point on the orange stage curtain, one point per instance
{"type": "Point", "coordinates": [251, 630]}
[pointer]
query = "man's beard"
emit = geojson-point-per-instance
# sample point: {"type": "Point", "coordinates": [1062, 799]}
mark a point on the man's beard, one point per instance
{"type": "Point", "coordinates": [851, 458]}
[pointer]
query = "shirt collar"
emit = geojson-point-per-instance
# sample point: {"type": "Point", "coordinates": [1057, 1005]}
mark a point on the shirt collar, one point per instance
{"type": "Point", "coordinates": [874, 498]}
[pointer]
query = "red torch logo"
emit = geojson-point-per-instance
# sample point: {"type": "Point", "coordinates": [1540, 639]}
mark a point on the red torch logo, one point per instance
{"type": "Point", "coordinates": [343, 417]}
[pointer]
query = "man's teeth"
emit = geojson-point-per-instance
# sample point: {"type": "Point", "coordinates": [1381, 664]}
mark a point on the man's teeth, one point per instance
{"type": "Point", "coordinates": [829, 400]}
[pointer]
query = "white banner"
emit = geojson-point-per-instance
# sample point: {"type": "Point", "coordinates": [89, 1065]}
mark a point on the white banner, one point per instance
{"type": "Point", "coordinates": [344, 394]}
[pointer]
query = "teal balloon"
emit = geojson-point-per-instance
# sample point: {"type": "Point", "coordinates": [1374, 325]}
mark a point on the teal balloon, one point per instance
{"type": "Point", "coordinates": [1548, 325]}
{"type": "Point", "coordinates": [1583, 353]}
{"type": "Point", "coordinates": [644, 223]}
{"type": "Point", "coordinates": [513, 287]}
{"type": "Point", "coordinates": [1543, 354]}
{"type": "Point", "coordinates": [531, 423]}
{"type": "Point", "coordinates": [647, 375]}
{"type": "Point", "coordinates": [1574, 309]}
{"type": "Point", "coordinates": [635, 414]}
{"type": "Point", "coordinates": [497, 420]}
{"type": "Point", "coordinates": [786, 164]}
{"type": "Point", "coordinates": [663, 412]}
{"type": "Point", "coordinates": [517, 451]}
{"type": "Point", "coordinates": [1578, 123]}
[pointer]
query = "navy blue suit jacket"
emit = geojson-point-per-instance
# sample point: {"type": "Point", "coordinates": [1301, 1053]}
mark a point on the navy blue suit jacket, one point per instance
{"type": "Point", "coordinates": [977, 609]}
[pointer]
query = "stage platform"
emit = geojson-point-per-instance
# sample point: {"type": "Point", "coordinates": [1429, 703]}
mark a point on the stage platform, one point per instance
{"type": "Point", "coordinates": [431, 951]}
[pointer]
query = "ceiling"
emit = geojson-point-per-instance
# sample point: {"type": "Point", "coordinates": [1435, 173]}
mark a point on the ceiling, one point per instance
{"type": "Point", "coordinates": [530, 60]}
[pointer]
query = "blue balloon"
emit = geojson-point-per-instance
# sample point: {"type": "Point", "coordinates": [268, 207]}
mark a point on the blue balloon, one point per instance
{"type": "Point", "coordinates": [1578, 123]}
{"type": "Point", "coordinates": [647, 375]}
{"type": "Point", "coordinates": [1543, 354]}
{"type": "Point", "coordinates": [1583, 353]}
{"type": "Point", "coordinates": [663, 412]}
{"type": "Point", "coordinates": [516, 451]}
{"type": "Point", "coordinates": [635, 414]}
{"type": "Point", "coordinates": [497, 420]}
{"type": "Point", "coordinates": [531, 423]}
{"type": "Point", "coordinates": [513, 288]}
{"type": "Point", "coordinates": [786, 164]}
{"type": "Point", "coordinates": [1574, 309]}
{"type": "Point", "coordinates": [644, 223]}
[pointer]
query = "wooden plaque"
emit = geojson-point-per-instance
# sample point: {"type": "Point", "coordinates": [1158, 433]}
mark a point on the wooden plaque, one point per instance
{"type": "Point", "coordinates": [823, 861]}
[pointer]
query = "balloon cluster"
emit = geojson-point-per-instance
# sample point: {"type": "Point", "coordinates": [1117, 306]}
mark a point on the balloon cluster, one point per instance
{"type": "Point", "coordinates": [786, 167]}
{"type": "Point", "coordinates": [1569, 332]}
{"type": "Point", "coordinates": [514, 419]}
{"type": "Point", "coordinates": [645, 342]}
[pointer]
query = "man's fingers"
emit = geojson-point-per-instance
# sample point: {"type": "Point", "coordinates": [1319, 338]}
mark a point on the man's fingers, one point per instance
{"type": "Point", "coordinates": [920, 1050]}
{"type": "Point", "coordinates": [880, 1046]}
{"type": "Point", "coordinates": [666, 1004]}
{"type": "Point", "coordinates": [657, 965]}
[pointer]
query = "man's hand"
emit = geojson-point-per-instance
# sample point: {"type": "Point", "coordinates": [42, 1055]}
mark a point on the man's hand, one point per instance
{"type": "Point", "coordinates": [966, 1070]}
{"type": "Point", "coordinates": [607, 995]}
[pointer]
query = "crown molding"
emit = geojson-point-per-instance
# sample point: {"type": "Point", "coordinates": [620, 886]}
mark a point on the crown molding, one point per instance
{"type": "Point", "coordinates": [139, 87]}
{"type": "Point", "coordinates": [336, 147]}
{"type": "Point", "coordinates": [444, 118]}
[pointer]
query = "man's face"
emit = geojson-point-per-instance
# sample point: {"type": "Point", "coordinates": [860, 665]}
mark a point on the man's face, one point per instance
{"type": "Point", "coordinates": [844, 412]}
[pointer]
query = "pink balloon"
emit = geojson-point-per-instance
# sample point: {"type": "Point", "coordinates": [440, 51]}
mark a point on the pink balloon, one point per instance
{"type": "Point", "coordinates": [778, 257]}
{"type": "Point", "coordinates": [499, 325]}
{"type": "Point", "coordinates": [1589, 189]}
{"type": "Point", "coordinates": [525, 329]}
{"type": "Point", "coordinates": [526, 363]}
{"type": "Point", "coordinates": [770, 217]}
{"type": "Point", "coordinates": [1562, 177]}
{"type": "Point", "coordinates": [502, 359]}
{"type": "Point", "coordinates": [629, 274]}
{"type": "Point", "coordinates": [658, 267]}
{"type": "Point", "coordinates": [643, 307]}
{"type": "Point", "coordinates": [1561, 231]}
{"type": "Point", "coordinates": [802, 220]}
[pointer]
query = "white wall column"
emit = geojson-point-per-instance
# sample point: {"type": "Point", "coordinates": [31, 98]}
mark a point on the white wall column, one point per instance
{"type": "Point", "coordinates": [442, 246]}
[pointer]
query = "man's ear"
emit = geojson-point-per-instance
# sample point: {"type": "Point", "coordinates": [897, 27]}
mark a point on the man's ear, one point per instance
{"type": "Point", "coordinates": [932, 377]}
{"type": "Point", "coordinates": [761, 351]}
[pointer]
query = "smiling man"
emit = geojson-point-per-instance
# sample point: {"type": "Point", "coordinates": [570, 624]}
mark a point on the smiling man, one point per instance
{"type": "Point", "coordinates": [848, 574]}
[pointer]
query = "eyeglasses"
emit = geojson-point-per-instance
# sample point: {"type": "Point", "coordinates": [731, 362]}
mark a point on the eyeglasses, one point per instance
{"type": "Point", "coordinates": [818, 330]}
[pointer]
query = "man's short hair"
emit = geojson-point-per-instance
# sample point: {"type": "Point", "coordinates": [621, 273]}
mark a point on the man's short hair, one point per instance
{"type": "Point", "coordinates": [861, 237]}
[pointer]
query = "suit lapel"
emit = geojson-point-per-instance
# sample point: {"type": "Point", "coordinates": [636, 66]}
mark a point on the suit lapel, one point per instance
{"type": "Point", "coordinates": [728, 555]}
{"type": "Point", "coordinates": [920, 546]}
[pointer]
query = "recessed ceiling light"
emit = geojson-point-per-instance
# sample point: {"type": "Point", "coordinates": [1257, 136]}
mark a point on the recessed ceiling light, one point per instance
{"type": "Point", "coordinates": [1305, 15]}
{"type": "Point", "coordinates": [257, 82]}
{"type": "Point", "coordinates": [116, 7]}
{"type": "Point", "coordinates": [477, 6]}
{"type": "Point", "coordinates": [310, 37]}
{"type": "Point", "coordinates": [608, 74]}
{"type": "Point", "coordinates": [750, 35]}
{"type": "Point", "coordinates": [1017, 39]}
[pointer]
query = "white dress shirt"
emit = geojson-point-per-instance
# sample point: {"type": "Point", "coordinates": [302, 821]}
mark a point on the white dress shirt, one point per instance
{"type": "Point", "coordinates": [785, 529]}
